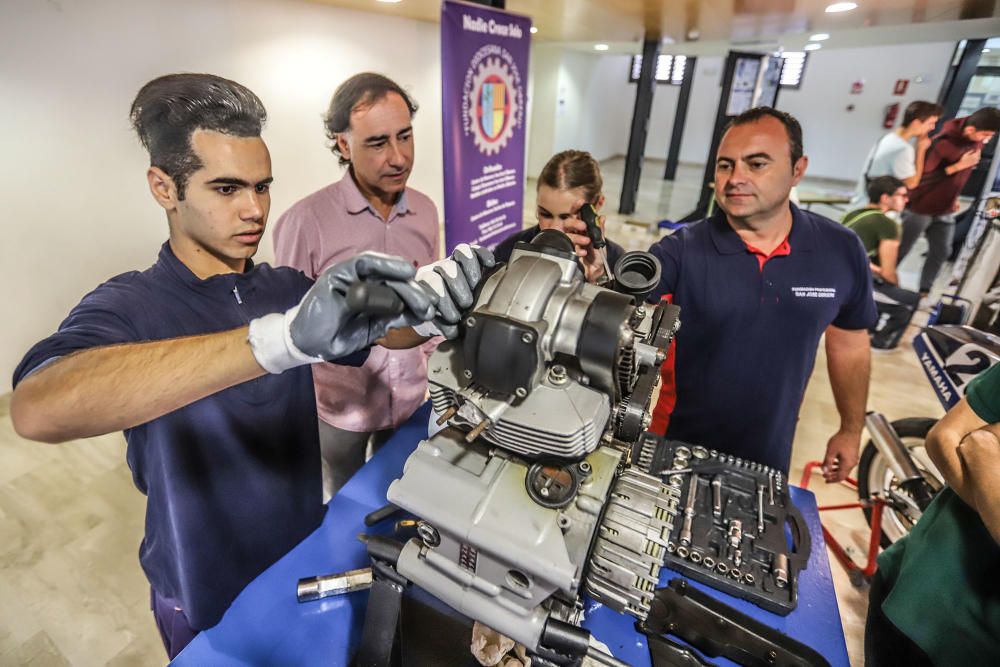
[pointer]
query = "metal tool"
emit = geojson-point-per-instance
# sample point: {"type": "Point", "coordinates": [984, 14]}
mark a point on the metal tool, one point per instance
{"type": "Point", "coordinates": [589, 216]}
{"type": "Point", "coordinates": [380, 514]}
{"type": "Point", "coordinates": [717, 497]}
{"type": "Point", "coordinates": [314, 588]}
{"type": "Point", "coordinates": [780, 568]}
{"type": "Point", "coordinates": [735, 533]}
{"type": "Point", "coordinates": [760, 509]}
{"type": "Point", "coordinates": [685, 536]}
{"type": "Point", "coordinates": [770, 489]}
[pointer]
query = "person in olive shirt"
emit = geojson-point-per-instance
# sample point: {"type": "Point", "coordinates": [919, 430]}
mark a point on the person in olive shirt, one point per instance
{"type": "Point", "coordinates": [880, 234]}
{"type": "Point", "coordinates": [935, 599]}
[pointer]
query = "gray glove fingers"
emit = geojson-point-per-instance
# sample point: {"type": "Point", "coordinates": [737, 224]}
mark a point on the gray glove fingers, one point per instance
{"type": "Point", "coordinates": [447, 330]}
{"type": "Point", "coordinates": [319, 320]}
{"type": "Point", "coordinates": [366, 266]}
{"type": "Point", "coordinates": [466, 258]}
{"type": "Point", "coordinates": [419, 302]}
{"type": "Point", "coordinates": [386, 267]}
{"type": "Point", "coordinates": [458, 287]}
{"type": "Point", "coordinates": [446, 308]}
{"type": "Point", "coordinates": [485, 255]}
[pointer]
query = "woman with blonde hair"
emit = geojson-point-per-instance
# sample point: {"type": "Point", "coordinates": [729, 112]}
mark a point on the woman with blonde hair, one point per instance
{"type": "Point", "coordinates": [569, 181]}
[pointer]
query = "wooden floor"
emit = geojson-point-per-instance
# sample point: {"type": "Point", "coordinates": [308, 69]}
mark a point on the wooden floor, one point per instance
{"type": "Point", "coordinates": [71, 588]}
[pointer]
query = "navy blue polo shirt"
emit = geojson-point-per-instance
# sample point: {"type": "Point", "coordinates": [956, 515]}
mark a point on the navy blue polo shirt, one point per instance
{"type": "Point", "coordinates": [749, 333]}
{"type": "Point", "coordinates": [233, 480]}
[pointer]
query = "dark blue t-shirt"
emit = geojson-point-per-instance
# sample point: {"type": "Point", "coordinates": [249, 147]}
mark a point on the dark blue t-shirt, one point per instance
{"type": "Point", "coordinates": [748, 336]}
{"type": "Point", "coordinates": [233, 480]}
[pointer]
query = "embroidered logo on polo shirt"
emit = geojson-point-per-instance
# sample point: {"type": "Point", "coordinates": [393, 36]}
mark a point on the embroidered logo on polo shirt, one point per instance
{"type": "Point", "coordinates": [815, 292]}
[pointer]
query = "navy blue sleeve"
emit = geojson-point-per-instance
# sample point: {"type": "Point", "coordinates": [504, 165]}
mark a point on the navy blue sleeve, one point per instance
{"type": "Point", "coordinates": [100, 319]}
{"type": "Point", "coordinates": [859, 311]}
{"type": "Point", "coordinates": [504, 249]}
{"type": "Point", "coordinates": [667, 251]}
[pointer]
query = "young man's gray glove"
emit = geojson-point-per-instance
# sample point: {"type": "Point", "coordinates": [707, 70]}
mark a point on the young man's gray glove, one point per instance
{"type": "Point", "coordinates": [323, 328]}
{"type": "Point", "coordinates": [453, 281]}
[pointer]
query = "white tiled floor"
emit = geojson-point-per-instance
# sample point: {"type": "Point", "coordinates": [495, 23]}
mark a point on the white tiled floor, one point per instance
{"type": "Point", "coordinates": [71, 521]}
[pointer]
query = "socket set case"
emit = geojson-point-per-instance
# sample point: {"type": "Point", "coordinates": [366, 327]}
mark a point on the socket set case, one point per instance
{"type": "Point", "coordinates": [734, 527]}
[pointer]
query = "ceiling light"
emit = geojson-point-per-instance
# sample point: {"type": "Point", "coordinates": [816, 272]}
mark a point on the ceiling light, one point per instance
{"type": "Point", "coordinates": [838, 7]}
{"type": "Point", "coordinates": [819, 37]}
{"type": "Point", "coordinates": [985, 51]}
{"type": "Point", "coordinates": [600, 47]}
{"type": "Point", "coordinates": [389, 2]}
{"type": "Point", "coordinates": [533, 30]}
{"type": "Point", "coordinates": [812, 47]}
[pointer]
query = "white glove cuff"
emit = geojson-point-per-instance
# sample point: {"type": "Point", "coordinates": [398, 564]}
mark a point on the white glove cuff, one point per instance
{"type": "Point", "coordinates": [270, 339]}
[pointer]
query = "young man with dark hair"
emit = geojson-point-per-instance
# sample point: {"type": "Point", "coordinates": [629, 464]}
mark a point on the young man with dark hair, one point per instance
{"type": "Point", "coordinates": [880, 236]}
{"type": "Point", "coordinates": [758, 284]}
{"type": "Point", "coordinates": [369, 123]}
{"type": "Point", "coordinates": [956, 151]}
{"type": "Point", "coordinates": [895, 154]}
{"type": "Point", "coordinates": [203, 359]}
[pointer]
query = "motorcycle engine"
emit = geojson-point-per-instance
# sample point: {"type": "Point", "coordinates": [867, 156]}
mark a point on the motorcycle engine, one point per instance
{"type": "Point", "coordinates": [527, 498]}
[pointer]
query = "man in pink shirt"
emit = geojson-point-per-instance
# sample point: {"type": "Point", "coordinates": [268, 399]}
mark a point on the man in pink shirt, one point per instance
{"type": "Point", "coordinates": [369, 208]}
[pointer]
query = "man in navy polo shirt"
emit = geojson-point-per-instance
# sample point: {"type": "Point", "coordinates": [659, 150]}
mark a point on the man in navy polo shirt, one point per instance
{"type": "Point", "coordinates": [758, 283]}
{"type": "Point", "coordinates": [203, 359]}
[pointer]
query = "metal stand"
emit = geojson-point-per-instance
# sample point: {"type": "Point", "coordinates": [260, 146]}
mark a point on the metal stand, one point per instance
{"type": "Point", "coordinates": [858, 574]}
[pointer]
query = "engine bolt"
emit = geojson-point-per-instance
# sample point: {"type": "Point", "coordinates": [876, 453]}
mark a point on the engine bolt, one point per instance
{"type": "Point", "coordinates": [520, 392]}
{"type": "Point", "coordinates": [428, 534]}
{"type": "Point", "coordinates": [470, 322]}
{"type": "Point", "coordinates": [467, 373]}
{"type": "Point", "coordinates": [527, 337]}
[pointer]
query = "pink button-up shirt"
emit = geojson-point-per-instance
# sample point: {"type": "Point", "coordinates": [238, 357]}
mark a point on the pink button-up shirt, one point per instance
{"type": "Point", "coordinates": [334, 224]}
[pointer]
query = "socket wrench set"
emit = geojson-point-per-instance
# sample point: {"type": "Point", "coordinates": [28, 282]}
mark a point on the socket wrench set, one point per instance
{"type": "Point", "coordinates": [729, 522]}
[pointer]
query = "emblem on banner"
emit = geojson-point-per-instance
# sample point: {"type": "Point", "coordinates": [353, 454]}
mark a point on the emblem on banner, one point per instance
{"type": "Point", "coordinates": [492, 103]}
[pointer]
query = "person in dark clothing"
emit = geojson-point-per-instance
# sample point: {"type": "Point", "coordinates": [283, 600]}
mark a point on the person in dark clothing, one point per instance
{"type": "Point", "coordinates": [204, 358]}
{"type": "Point", "coordinates": [758, 284]}
{"type": "Point", "coordinates": [954, 153]}
{"type": "Point", "coordinates": [568, 181]}
{"type": "Point", "coordinates": [880, 235]}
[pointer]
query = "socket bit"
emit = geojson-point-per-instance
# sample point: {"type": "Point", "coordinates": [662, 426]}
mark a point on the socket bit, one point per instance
{"type": "Point", "coordinates": [780, 568]}
{"type": "Point", "coordinates": [760, 509]}
{"type": "Point", "coordinates": [685, 536]}
{"type": "Point", "coordinates": [717, 497]}
{"type": "Point", "coordinates": [314, 588]}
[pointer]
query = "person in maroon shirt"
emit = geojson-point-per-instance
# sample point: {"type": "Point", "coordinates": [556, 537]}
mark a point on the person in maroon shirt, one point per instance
{"type": "Point", "coordinates": [954, 153]}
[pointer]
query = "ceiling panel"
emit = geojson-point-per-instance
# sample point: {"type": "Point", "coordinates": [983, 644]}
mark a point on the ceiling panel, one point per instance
{"type": "Point", "coordinates": [704, 26]}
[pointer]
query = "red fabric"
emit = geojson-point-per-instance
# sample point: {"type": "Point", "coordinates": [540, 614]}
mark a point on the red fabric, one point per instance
{"type": "Point", "coordinates": [668, 388]}
{"type": "Point", "coordinates": [936, 192]}
{"type": "Point", "coordinates": [782, 250]}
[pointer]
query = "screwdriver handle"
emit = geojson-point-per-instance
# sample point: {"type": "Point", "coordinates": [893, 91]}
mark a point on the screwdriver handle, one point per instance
{"type": "Point", "coordinates": [589, 216]}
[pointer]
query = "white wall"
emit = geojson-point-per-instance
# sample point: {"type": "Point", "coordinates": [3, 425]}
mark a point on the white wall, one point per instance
{"type": "Point", "coordinates": [76, 206]}
{"type": "Point", "coordinates": [837, 140]}
{"type": "Point", "coordinates": [577, 102]}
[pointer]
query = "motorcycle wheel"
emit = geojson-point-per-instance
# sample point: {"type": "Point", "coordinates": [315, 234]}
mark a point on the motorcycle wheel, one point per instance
{"type": "Point", "coordinates": [875, 475]}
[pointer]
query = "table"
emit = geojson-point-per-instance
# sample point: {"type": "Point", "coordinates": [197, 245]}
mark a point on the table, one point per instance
{"type": "Point", "coordinates": [266, 625]}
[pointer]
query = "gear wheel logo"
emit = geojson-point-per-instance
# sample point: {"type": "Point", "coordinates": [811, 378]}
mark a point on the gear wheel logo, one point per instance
{"type": "Point", "coordinates": [493, 101]}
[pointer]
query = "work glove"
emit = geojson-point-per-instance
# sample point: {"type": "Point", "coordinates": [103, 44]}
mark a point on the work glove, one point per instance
{"type": "Point", "coordinates": [453, 281]}
{"type": "Point", "coordinates": [322, 327]}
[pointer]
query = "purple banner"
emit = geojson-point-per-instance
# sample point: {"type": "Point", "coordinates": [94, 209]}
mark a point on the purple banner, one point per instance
{"type": "Point", "coordinates": [484, 82]}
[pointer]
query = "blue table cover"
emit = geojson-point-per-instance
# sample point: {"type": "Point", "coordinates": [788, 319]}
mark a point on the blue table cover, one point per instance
{"type": "Point", "coordinates": [266, 625]}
